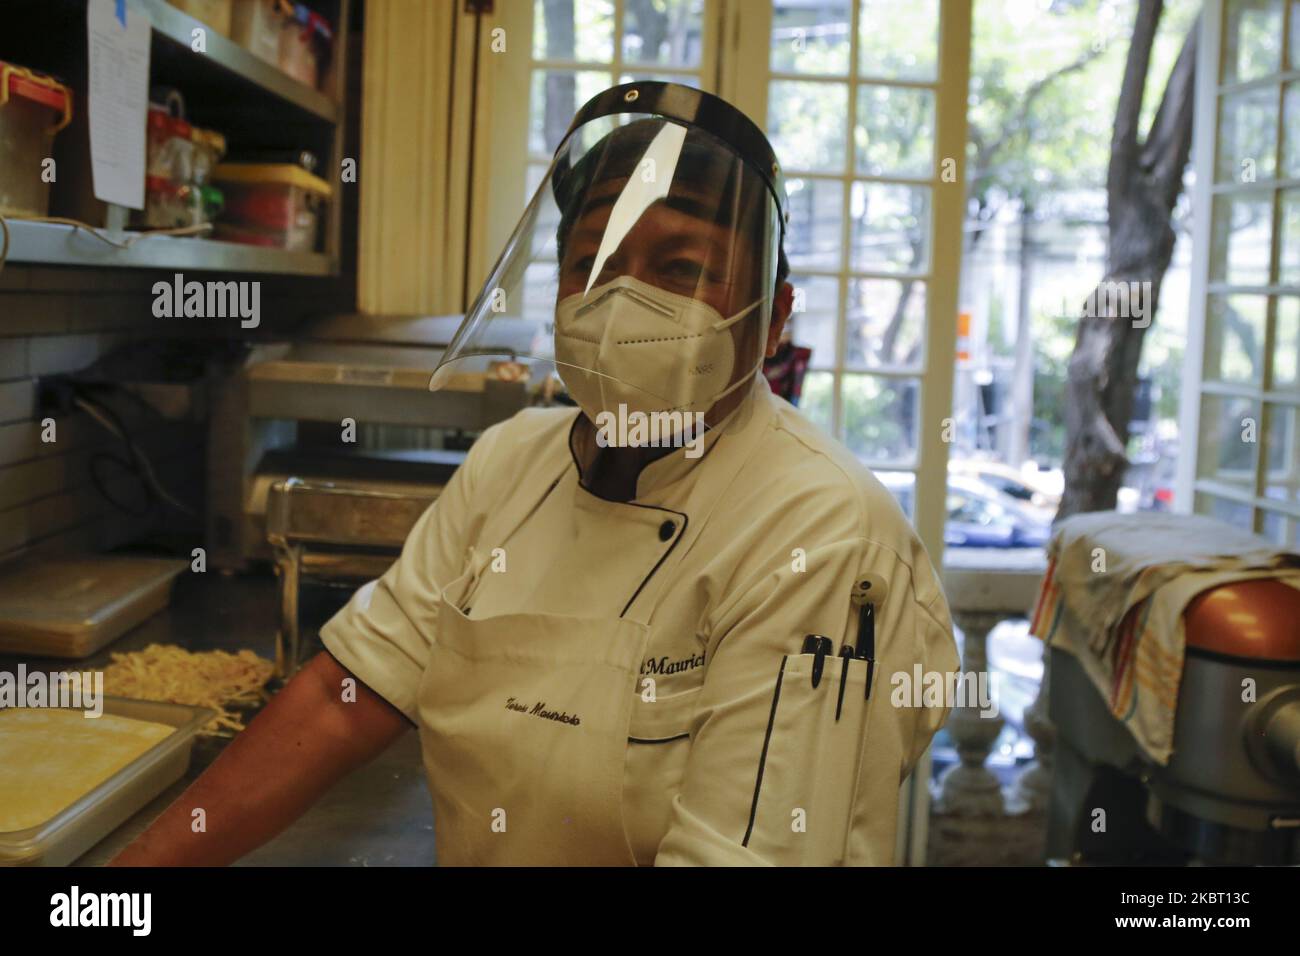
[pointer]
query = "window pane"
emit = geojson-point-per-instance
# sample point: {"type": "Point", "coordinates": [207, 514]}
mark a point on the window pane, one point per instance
{"type": "Point", "coordinates": [1247, 132]}
{"type": "Point", "coordinates": [818, 394]}
{"type": "Point", "coordinates": [815, 315]}
{"type": "Point", "coordinates": [1241, 241]}
{"type": "Point", "coordinates": [894, 135]}
{"type": "Point", "coordinates": [557, 94]}
{"type": "Point", "coordinates": [1279, 529]}
{"type": "Point", "coordinates": [573, 30]}
{"type": "Point", "coordinates": [890, 227]}
{"type": "Point", "coordinates": [898, 39]}
{"type": "Point", "coordinates": [811, 37]}
{"type": "Point", "coordinates": [541, 283]}
{"type": "Point", "coordinates": [886, 324]}
{"type": "Point", "coordinates": [1232, 512]}
{"type": "Point", "coordinates": [902, 485]}
{"type": "Point", "coordinates": [1286, 351]}
{"type": "Point", "coordinates": [685, 79]}
{"type": "Point", "coordinates": [807, 124]}
{"type": "Point", "coordinates": [548, 215]}
{"type": "Point", "coordinates": [1294, 56]}
{"type": "Point", "coordinates": [1291, 130]}
{"type": "Point", "coordinates": [1230, 432]}
{"type": "Point", "coordinates": [880, 418]}
{"type": "Point", "coordinates": [813, 238]}
{"type": "Point", "coordinates": [1252, 39]}
{"type": "Point", "coordinates": [1288, 269]}
{"type": "Point", "coordinates": [1281, 454]}
{"type": "Point", "coordinates": [1234, 340]}
{"type": "Point", "coordinates": [667, 32]}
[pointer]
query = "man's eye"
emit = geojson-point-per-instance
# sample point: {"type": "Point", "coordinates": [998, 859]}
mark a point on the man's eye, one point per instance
{"type": "Point", "coordinates": [684, 268]}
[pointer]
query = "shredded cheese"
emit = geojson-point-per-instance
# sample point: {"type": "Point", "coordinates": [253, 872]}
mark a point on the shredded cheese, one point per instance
{"type": "Point", "coordinates": [213, 679]}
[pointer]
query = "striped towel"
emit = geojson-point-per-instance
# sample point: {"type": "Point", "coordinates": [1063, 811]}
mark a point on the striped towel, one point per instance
{"type": "Point", "coordinates": [1104, 565]}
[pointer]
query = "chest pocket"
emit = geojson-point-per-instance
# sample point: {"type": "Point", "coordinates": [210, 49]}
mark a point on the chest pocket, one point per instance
{"type": "Point", "coordinates": [807, 780]}
{"type": "Point", "coordinates": [665, 717]}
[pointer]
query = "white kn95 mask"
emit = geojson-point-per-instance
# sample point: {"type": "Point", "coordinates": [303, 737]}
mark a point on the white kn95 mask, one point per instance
{"type": "Point", "coordinates": [633, 344]}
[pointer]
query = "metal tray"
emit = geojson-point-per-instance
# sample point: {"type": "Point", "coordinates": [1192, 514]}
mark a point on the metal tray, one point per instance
{"type": "Point", "coordinates": [71, 608]}
{"type": "Point", "coordinates": [75, 829]}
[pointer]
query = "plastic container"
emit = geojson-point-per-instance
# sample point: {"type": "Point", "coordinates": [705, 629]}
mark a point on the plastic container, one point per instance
{"type": "Point", "coordinates": [271, 204]}
{"type": "Point", "coordinates": [70, 608]}
{"type": "Point", "coordinates": [74, 830]}
{"type": "Point", "coordinates": [179, 164]}
{"type": "Point", "coordinates": [255, 25]}
{"type": "Point", "coordinates": [215, 13]}
{"type": "Point", "coordinates": [32, 109]}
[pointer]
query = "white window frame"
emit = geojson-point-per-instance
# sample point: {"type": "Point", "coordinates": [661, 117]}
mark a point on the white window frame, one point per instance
{"type": "Point", "coordinates": [1209, 92]}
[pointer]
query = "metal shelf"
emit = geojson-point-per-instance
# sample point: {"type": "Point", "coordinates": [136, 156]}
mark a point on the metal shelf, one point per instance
{"type": "Point", "coordinates": [176, 26]}
{"type": "Point", "coordinates": [52, 244]}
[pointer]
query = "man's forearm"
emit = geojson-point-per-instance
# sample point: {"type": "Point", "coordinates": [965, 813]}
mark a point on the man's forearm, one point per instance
{"type": "Point", "coordinates": [305, 740]}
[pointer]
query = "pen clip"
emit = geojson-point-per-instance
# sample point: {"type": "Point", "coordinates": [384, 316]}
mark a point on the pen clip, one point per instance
{"type": "Point", "coordinates": [819, 647]}
{"type": "Point", "coordinates": [846, 655]}
{"type": "Point", "coordinates": [866, 649]}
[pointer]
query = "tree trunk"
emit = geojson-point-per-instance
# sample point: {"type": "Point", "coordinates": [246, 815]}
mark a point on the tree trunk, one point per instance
{"type": "Point", "coordinates": [1143, 184]}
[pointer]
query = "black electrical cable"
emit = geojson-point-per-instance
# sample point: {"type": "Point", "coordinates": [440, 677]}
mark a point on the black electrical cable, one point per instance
{"type": "Point", "coordinates": [137, 464]}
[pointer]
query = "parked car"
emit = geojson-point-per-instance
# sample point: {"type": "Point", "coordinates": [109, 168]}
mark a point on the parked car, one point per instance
{"type": "Point", "coordinates": [1038, 489]}
{"type": "Point", "coordinates": [978, 515]}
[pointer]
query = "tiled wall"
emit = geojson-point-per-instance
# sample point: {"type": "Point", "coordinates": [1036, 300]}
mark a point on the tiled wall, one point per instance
{"type": "Point", "coordinates": [60, 320]}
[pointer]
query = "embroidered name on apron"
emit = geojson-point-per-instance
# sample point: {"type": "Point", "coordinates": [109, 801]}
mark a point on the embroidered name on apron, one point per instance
{"type": "Point", "coordinates": [539, 710]}
{"type": "Point", "coordinates": [661, 665]}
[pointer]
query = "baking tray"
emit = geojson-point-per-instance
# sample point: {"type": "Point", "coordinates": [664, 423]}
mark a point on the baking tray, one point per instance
{"type": "Point", "coordinates": [71, 608]}
{"type": "Point", "coordinates": [75, 829]}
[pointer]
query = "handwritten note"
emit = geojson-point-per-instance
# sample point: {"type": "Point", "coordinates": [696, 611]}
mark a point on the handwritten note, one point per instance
{"type": "Point", "coordinates": [117, 37]}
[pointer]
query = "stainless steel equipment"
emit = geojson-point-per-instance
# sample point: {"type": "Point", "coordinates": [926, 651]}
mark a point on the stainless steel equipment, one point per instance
{"type": "Point", "coordinates": [1230, 794]}
{"type": "Point", "coordinates": [332, 533]}
{"type": "Point", "coordinates": [285, 414]}
{"type": "Point", "coordinates": [71, 607]}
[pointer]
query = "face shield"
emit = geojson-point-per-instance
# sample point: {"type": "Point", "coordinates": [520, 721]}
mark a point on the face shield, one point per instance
{"type": "Point", "coordinates": [643, 270]}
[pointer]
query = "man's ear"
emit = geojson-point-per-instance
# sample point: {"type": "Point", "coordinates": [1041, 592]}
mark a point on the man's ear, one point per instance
{"type": "Point", "coordinates": [780, 315]}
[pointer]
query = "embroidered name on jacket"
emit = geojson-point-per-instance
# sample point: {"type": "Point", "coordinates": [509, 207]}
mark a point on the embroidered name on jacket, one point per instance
{"type": "Point", "coordinates": [539, 710]}
{"type": "Point", "coordinates": [662, 665]}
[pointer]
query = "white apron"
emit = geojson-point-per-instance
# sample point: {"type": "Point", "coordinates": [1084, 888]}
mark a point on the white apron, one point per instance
{"type": "Point", "coordinates": [525, 718]}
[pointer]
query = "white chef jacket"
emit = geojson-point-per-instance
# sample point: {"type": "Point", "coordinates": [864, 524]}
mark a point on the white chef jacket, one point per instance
{"type": "Point", "coordinates": [777, 559]}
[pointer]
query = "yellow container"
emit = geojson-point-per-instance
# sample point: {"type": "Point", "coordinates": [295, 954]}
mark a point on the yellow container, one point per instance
{"type": "Point", "coordinates": [271, 204]}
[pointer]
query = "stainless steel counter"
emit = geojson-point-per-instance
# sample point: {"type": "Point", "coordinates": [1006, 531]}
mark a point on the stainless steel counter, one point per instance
{"type": "Point", "coordinates": [381, 815]}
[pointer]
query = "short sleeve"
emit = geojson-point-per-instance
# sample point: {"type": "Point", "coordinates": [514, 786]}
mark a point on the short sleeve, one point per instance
{"type": "Point", "coordinates": [384, 633]}
{"type": "Point", "coordinates": [774, 775]}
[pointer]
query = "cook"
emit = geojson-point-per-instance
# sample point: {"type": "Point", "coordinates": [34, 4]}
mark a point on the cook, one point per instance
{"type": "Point", "coordinates": [622, 653]}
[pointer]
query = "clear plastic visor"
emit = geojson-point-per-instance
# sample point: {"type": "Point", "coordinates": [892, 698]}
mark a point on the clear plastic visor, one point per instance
{"type": "Point", "coordinates": [641, 274]}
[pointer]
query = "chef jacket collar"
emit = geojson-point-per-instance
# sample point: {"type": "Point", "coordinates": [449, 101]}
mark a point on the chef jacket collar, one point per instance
{"type": "Point", "coordinates": [667, 465]}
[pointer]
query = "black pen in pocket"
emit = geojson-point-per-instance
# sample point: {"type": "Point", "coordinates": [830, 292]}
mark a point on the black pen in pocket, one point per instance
{"type": "Point", "coordinates": [819, 647]}
{"type": "Point", "coordinates": [867, 642]}
{"type": "Point", "coordinates": [846, 655]}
